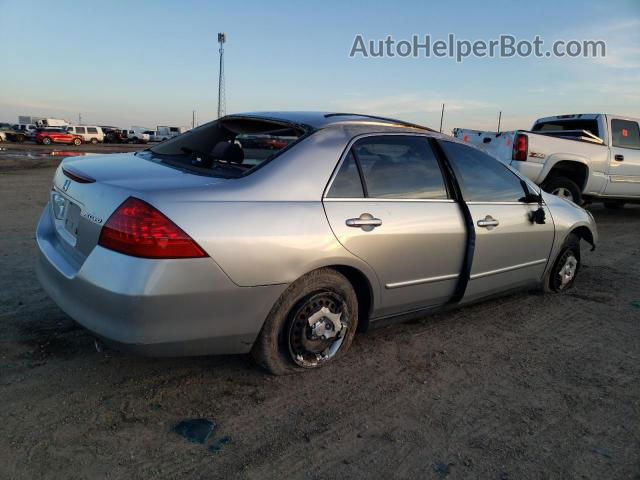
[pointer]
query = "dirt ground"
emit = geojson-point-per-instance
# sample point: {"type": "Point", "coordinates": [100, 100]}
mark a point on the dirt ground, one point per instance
{"type": "Point", "coordinates": [527, 386]}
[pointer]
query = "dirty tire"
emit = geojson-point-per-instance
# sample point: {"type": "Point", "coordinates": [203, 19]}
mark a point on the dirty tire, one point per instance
{"type": "Point", "coordinates": [614, 204]}
{"type": "Point", "coordinates": [564, 187]}
{"type": "Point", "coordinates": [272, 349]}
{"type": "Point", "coordinates": [554, 280]}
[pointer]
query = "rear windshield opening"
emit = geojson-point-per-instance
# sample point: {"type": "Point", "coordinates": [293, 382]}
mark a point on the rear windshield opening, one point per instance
{"type": "Point", "coordinates": [230, 147]}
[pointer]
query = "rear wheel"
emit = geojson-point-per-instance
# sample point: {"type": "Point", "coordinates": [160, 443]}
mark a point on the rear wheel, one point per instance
{"type": "Point", "coordinates": [94, 141]}
{"type": "Point", "coordinates": [312, 324]}
{"type": "Point", "coordinates": [565, 269]}
{"type": "Point", "coordinates": [77, 141]}
{"type": "Point", "coordinates": [46, 141]}
{"type": "Point", "coordinates": [564, 187]}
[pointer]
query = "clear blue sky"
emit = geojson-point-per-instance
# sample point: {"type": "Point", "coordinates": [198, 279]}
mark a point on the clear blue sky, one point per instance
{"type": "Point", "coordinates": [153, 62]}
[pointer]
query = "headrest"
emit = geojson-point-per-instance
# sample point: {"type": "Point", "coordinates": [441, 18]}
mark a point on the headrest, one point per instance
{"type": "Point", "coordinates": [230, 152]}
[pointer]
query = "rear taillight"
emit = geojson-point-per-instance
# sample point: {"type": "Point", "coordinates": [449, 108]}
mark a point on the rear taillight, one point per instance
{"type": "Point", "coordinates": [520, 147]}
{"type": "Point", "coordinates": [138, 229]}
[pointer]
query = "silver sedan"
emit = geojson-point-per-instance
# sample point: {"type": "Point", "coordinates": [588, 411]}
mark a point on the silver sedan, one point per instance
{"type": "Point", "coordinates": [282, 234]}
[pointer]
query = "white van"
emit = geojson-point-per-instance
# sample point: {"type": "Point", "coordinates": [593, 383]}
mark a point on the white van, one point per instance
{"type": "Point", "coordinates": [51, 122]}
{"type": "Point", "coordinates": [90, 133]}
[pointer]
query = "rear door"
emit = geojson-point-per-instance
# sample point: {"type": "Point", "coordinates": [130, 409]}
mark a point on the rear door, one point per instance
{"type": "Point", "coordinates": [510, 250]}
{"type": "Point", "coordinates": [389, 205]}
{"type": "Point", "coordinates": [624, 164]}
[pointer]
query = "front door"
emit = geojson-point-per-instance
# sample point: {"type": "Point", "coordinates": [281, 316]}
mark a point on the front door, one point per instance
{"type": "Point", "coordinates": [510, 250]}
{"type": "Point", "coordinates": [388, 204]}
{"type": "Point", "coordinates": [624, 161]}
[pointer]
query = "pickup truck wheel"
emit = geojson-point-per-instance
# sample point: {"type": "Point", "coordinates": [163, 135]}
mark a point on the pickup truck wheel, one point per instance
{"type": "Point", "coordinates": [614, 204]}
{"type": "Point", "coordinates": [565, 269]}
{"type": "Point", "coordinates": [46, 141]}
{"type": "Point", "coordinates": [312, 323]}
{"type": "Point", "coordinates": [565, 188]}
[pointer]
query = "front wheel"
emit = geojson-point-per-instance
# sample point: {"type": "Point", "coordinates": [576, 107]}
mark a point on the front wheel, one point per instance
{"type": "Point", "coordinates": [564, 187]}
{"type": "Point", "coordinates": [565, 269]}
{"type": "Point", "coordinates": [312, 324]}
{"type": "Point", "coordinates": [77, 142]}
{"type": "Point", "coordinates": [46, 141]}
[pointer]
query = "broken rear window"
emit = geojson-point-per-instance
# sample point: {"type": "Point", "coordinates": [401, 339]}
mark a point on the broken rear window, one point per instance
{"type": "Point", "coordinates": [230, 147]}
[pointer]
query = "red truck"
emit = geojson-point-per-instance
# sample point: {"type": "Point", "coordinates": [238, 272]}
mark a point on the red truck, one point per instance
{"type": "Point", "coordinates": [47, 136]}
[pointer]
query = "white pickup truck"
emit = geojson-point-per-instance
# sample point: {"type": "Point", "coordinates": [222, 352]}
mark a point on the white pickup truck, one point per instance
{"type": "Point", "coordinates": [581, 157]}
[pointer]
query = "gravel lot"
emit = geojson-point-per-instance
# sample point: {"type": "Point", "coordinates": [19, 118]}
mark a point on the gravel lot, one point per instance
{"type": "Point", "coordinates": [523, 387]}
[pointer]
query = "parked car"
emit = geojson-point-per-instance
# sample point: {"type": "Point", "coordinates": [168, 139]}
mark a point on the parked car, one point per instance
{"type": "Point", "coordinates": [195, 246]}
{"type": "Point", "coordinates": [114, 135]}
{"type": "Point", "coordinates": [582, 157]}
{"type": "Point", "coordinates": [272, 142]}
{"type": "Point", "coordinates": [14, 135]}
{"type": "Point", "coordinates": [47, 136]}
{"type": "Point", "coordinates": [27, 129]}
{"type": "Point", "coordinates": [89, 134]}
{"type": "Point", "coordinates": [163, 132]}
{"type": "Point", "coordinates": [135, 135]}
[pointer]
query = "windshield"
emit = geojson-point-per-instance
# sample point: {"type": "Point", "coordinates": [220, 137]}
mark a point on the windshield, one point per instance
{"type": "Point", "coordinates": [230, 147]}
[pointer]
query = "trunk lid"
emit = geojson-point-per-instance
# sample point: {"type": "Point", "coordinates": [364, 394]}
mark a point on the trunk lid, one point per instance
{"type": "Point", "coordinates": [87, 190]}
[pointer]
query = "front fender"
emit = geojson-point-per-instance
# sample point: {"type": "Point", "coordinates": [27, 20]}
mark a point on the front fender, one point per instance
{"type": "Point", "coordinates": [569, 218]}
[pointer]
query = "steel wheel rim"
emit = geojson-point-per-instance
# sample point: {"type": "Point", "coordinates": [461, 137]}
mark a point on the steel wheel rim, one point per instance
{"type": "Point", "coordinates": [317, 329]}
{"type": "Point", "coordinates": [563, 192]}
{"type": "Point", "coordinates": [567, 272]}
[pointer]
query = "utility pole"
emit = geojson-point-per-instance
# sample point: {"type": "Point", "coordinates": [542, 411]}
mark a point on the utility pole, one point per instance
{"type": "Point", "coordinates": [79, 119]}
{"type": "Point", "coordinates": [222, 38]}
{"type": "Point", "coordinates": [193, 119]}
{"type": "Point", "coordinates": [441, 118]}
{"type": "Point", "coordinates": [499, 120]}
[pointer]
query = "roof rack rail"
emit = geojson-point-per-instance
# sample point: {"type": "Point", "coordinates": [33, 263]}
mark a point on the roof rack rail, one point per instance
{"type": "Point", "coordinates": [374, 117]}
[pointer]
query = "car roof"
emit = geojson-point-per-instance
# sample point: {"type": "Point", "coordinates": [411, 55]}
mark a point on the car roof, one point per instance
{"type": "Point", "coordinates": [319, 120]}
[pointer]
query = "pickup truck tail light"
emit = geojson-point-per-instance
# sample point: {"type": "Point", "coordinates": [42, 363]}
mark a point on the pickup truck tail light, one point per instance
{"type": "Point", "coordinates": [140, 230]}
{"type": "Point", "coordinates": [520, 147]}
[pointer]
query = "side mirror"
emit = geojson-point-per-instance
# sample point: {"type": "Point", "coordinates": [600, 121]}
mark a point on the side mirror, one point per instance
{"type": "Point", "coordinates": [537, 216]}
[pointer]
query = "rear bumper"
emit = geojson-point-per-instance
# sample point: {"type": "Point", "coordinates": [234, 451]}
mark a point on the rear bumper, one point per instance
{"type": "Point", "coordinates": [156, 307]}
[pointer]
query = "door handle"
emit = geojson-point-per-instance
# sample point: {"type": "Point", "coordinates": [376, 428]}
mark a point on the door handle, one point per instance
{"type": "Point", "coordinates": [619, 158]}
{"type": "Point", "coordinates": [488, 222]}
{"type": "Point", "coordinates": [366, 222]}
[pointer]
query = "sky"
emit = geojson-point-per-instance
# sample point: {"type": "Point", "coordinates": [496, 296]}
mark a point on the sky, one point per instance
{"type": "Point", "coordinates": [153, 62]}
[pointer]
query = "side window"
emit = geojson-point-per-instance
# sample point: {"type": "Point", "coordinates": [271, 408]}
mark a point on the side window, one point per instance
{"type": "Point", "coordinates": [401, 167]}
{"type": "Point", "coordinates": [92, 130]}
{"type": "Point", "coordinates": [482, 178]}
{"type": "Point", "coordinates": [347, 182]}
{"type": "Point", "coordinates": [626, 134]}
{"type": "Point", "coordinates": [70, 129]}
{"type": "Point", "coordinates": [80, 130]}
